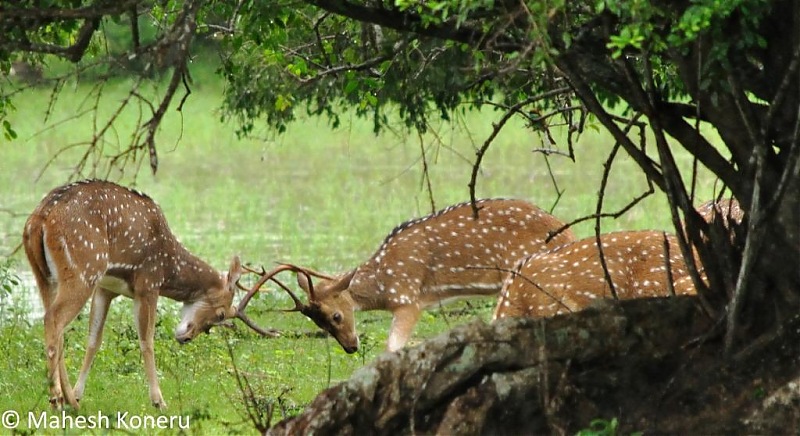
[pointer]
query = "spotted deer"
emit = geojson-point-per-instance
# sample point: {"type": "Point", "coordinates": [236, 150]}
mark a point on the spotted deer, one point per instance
{"type": "Point", "coordinates": [570, 277]}
{"type": "Point", "coordinates": [426, 262]}
{"type": "Point", "coordinates": [98, 239]}
{"type": "Point", "coordinates": [725, 209]}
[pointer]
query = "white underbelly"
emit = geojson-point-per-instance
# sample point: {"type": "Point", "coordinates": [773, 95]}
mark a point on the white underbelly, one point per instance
{"type": "Point", "coordinates": [456, 292]}
{"type": "Point", "coordinates": [115, 285]}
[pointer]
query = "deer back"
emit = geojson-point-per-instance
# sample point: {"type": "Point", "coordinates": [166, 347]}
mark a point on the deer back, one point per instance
{"type": "Point", "coordinates": [451, 254]}
{"type": "Point", "coordinates": [571, 277]}
{"type": "Point", "coordinates": [726, 209]}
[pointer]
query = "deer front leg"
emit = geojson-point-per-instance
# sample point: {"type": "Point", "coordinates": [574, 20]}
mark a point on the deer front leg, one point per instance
{"type": "Point", "coordinates": [403, 321]}
{"type": "Point", "coordinates": [144, 308]}
{"type": "Point", "coordinates": [97, 319]}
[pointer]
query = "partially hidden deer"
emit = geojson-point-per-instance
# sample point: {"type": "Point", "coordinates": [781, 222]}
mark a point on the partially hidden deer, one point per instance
{"type": "Point", "coordinates": [426, 262]}
{"type": "Point", "coordinates": [571, 277]}
{"type": "Point", "coordinates": [96, 239]}
{"type": "Point", "coordinates": [725, 209]}
{"type": "Point", "coordinates": [725, 213]}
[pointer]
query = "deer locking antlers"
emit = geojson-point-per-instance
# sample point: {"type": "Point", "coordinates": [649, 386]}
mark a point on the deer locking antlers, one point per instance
{"type": "Point", "coordinates": [309, 310]}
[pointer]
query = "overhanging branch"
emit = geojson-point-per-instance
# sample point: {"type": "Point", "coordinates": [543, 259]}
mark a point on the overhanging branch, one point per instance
{"type": "Point", "coordinates": [410, 22]}
{"type": "Point", "coordinates": [95, 11]}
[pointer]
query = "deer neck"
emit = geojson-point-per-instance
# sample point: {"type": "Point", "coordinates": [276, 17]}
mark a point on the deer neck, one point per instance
{"type": "Point", "coordinates": [189, 278]}
{"type": "Point", "coordinates": [363, 289]}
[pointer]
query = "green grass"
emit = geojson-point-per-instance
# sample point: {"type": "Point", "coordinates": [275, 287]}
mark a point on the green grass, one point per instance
{"type": "Point", "coordinates": [313, 196]}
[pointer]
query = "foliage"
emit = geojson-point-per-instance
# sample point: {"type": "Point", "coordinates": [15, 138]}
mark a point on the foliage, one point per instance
{"type": "Point", "coordinates": [601, 427]}
{"type": "Point", "coordinates": [320, 62]}
{"type": "Point", "coordinates": [7, 277]}
{"type": "Point", "coordinates": [9, 280]}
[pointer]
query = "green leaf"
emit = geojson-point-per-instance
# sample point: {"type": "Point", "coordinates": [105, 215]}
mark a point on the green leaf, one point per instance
{"type": "Point", "coordinates": [8, 132]}
{"type": "Point", "coordinates": [350, 86]}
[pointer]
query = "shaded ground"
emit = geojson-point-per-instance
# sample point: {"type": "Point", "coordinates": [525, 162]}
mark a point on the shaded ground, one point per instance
{"type": "Point", "coordinates": [645, 363]}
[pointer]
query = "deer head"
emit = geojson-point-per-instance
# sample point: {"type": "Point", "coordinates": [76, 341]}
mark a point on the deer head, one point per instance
{"type": "Point", "coordinates": [329, 304]}
{"type": "Point", "coordinates": [331, 307]}
{"type": "Point", "coordinates": [213, 308]}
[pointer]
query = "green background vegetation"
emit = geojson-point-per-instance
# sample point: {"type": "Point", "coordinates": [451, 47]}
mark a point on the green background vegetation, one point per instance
{"type": "Point", "coordinates": [314, 196]}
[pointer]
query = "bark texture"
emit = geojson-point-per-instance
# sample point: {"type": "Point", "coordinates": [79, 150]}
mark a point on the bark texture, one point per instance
{"type": "Point", "coordinates": [648, 363]}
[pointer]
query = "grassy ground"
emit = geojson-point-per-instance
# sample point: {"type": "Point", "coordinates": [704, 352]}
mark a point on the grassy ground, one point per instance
{"type": "Point", "coordinates": [313, 196]}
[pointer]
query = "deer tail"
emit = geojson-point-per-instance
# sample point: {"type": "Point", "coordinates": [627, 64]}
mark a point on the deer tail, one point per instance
{"type": "Point", "coordinates": [33, 241]}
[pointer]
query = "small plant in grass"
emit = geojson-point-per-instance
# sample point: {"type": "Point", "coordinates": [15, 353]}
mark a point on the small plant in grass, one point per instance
{"type": "Point", "coordinates": [601, 427]}
{"type": "Point", "coordinates": [9, 310]}
{"type": "Point", "coordinates": [368, 344]}
{"type": "Point", "coordinates": [259, 407]}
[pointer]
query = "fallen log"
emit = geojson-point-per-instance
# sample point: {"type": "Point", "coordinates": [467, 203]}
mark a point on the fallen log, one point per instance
{"type": "Point", "coordinates": [518, 375]}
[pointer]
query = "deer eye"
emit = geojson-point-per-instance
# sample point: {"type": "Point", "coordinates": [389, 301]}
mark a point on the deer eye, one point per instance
{"type": "Point", "coordinates": [337, 317]}
{"type": "Point", "coordinates": [221, 316]}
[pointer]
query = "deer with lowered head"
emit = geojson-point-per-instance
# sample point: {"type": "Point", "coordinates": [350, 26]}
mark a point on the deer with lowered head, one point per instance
{"type": "Point", "coordinates": [96, 239]}
{"type": "Point", "coordinates": [426, 262]}
{"type": "Point", "coordinates": [571, 277]}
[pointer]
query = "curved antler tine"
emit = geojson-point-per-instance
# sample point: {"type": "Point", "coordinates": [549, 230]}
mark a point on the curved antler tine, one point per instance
{"type": "Point", "coordinates": [251, 270]}
{"type": "Point", "coordinates": [265, 276]}
{"type": "Point", "coordinates": [309, 272]}
{"type": "Point", "coordinates": [246, 268]}
{"type": "Point", "coordinates": [245, 319]}
{"type": "Point", "coordinates": [298, 304]}
{"type": "Point", "coordinates": [256, 287]}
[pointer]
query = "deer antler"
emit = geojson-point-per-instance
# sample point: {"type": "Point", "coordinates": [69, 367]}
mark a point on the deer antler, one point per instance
{"type": "Point", "coordinates": [266, 276]}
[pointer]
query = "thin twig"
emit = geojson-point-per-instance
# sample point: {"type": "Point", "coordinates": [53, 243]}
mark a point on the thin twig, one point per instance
{"type": "Point", "coordinates": [559, 192]}
{"type": "Point", "coordinates": [320, 45]}
{"type": "Point", "coordinates": [517, 272]}
{"type": "Point", "coordinates": [668, 265]}
{"type": "Point", "coordinates": [612, 215]}
{"type": "Point", "coordinates": [600, 194]}
{"type": "Point", "coordinates": [426, 177]}
{"type": "Point", "coordinates": [496, 128]}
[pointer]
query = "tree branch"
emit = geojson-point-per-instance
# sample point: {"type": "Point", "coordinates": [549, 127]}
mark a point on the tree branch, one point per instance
{"type": "Point", "coordinates": [587, 95]}
{"type": "Point", "coordinates": [75, 51]}
{"type": "Point", "coordinates": [409, 22]}
{"type": "Point", "coordinates": [45, 15]}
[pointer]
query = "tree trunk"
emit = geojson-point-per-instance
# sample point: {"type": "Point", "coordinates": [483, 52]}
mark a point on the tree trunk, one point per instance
{"type": "Point", "coordinates": [644, 362]}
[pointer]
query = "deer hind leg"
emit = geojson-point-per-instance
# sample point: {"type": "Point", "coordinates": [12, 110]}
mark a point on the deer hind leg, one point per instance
{"type": "Point", "coordinates": [403, 321]}
{"type": "Point", "coordinates": [69, 299]}
{"type": "Point", "coordinates": [101, 301]}
{"type": "Point", "coordinates": [144, 311]}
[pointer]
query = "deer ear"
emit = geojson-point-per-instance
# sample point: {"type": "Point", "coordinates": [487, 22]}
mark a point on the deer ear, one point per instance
{"type": "Point", "coordinates": [343, 282]}
{"type": "Point", "coordinates": [303, 281]}
{"type": "Point", "coordinates": [234, 273]}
